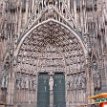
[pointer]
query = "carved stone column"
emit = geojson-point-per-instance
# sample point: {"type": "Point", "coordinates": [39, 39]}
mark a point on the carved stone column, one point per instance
{"type": "Point", "coordinates": [10, 87]}
{"type": "Point", "coordinates": [51, 83]}
{"type": "Point", "coordinates": [90, 84]}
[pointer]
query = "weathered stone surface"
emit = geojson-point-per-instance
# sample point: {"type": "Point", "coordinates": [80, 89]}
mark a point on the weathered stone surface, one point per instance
{"type": "Point", "coordinates": [52, 36]}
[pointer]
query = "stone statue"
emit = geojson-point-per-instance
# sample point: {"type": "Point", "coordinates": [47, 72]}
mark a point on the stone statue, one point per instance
{"type": "Point", "coordinates": [4, 81]}
{"type": "Point", "coordinates": [51, 83]}
{"type": "Point", "coordinates": [97, 80]}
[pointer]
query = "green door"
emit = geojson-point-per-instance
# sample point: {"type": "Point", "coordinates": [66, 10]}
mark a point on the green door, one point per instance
{"type": "Point", "coordinates": [43, 90]}
{"type": "Point", "coordinates": [59, 90]}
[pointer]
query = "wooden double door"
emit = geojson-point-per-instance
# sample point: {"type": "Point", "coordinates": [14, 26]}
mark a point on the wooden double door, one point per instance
{"type": "Point", "coordinates": [43, 90]}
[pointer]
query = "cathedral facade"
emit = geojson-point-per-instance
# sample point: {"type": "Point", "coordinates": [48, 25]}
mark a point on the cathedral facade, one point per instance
{"type": "Point", "coordinates": [53, 53]}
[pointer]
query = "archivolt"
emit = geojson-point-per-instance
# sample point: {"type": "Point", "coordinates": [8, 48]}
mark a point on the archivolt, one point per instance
{"type": "Point", "coordinates": [44, 22]}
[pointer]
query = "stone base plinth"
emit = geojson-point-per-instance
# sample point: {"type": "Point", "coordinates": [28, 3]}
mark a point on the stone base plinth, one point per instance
{"type": "Point", "coordinates": [1, 105]}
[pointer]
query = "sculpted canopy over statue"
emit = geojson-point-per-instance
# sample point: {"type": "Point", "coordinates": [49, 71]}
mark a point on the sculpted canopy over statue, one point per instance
{"type": "Point", "coordinates": [50, 1]}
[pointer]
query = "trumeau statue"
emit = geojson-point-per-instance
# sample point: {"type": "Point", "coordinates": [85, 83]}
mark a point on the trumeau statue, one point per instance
{"type": "Point", "coordinates": [51, 83]}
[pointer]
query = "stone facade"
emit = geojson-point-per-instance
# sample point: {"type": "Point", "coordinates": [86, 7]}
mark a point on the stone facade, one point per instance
{"type": "Point", "coordinates": [51, 36]}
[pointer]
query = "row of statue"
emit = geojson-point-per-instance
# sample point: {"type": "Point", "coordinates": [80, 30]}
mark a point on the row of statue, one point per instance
{"type": "Point", "coordinates": [76, 81]}
{"type": "Point", "coordinates": [24, 81]}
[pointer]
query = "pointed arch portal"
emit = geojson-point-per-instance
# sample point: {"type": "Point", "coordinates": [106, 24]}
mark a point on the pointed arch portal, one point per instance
{"type": "Point", "coordinates": [51, 47]}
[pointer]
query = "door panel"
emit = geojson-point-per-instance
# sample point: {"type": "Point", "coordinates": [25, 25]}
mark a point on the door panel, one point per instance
{"type": "Point", "coordinates": [59, 90]}
{"type": "Point", "coordinates": [43, 90]}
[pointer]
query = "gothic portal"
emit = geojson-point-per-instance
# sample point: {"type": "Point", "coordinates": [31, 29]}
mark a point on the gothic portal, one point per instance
{"type": "Point", "coordinates": [52, 52]}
